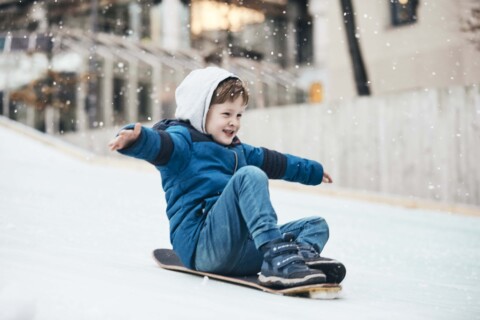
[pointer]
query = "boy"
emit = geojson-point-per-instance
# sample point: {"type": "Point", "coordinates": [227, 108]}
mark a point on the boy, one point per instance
{"type": "Point", "coordinates": [216, 188]}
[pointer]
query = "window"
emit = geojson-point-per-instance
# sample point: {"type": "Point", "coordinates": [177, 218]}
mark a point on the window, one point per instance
{"type": "Point", "coordinates": [403, 12]}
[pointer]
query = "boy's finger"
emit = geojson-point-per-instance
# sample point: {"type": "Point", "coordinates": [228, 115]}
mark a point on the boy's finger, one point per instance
{"type": "Point", "coordinates": [137, 129]}
{"type": "Point", "coordinates": [116, 143]}
{"type": "Point", "coordinates": [327, 178]}
{"type": "Point", "coordinates": [113, 145]}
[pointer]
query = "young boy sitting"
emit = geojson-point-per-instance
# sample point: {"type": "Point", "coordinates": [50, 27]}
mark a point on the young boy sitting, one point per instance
{"type": "Point", "coordinates": [216, 188]}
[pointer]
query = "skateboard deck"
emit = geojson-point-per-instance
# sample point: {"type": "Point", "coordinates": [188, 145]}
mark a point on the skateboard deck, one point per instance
{"type": "Point", "coordinates": [167, 259]}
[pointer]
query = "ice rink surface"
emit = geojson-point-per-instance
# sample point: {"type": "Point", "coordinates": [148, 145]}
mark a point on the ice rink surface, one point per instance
{"type": "Point", "coordinates": [76, 237]}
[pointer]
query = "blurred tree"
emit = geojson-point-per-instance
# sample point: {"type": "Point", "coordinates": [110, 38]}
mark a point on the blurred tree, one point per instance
{"type": "Point", "coordinates": [360, 73]}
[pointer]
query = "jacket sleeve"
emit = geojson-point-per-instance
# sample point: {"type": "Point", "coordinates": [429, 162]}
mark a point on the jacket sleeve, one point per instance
{"type": "Point", "coordinates": [285, 166]}
{"type": "Point", "coordinates": [155, 146]}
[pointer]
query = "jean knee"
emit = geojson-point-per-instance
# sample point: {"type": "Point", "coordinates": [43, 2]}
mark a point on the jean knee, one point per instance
{"type": "Point", "coordinates": [321, 225]}
{"type": "Point", "coordinates": [252, 173]}
{"type": "Point", "coordinates": [317, 227]}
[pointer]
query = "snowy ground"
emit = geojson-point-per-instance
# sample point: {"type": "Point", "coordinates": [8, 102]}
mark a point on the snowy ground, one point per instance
{"type": "Point", "coordinates": [76, 237]}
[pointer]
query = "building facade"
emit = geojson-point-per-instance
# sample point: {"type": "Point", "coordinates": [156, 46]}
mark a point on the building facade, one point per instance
{"type": "Point", "coordinates": [86, 64]}
{"type": "Point", "coordinates": [433, 49]}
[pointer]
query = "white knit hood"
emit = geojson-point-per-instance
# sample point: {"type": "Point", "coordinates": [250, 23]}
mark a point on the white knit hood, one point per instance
{"type": "Point", "coordinates": [194, 94]}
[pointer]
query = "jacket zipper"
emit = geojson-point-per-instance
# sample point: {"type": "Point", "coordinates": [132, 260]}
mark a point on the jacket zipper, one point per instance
{"type": "Point", "coordinates": [236, 161]}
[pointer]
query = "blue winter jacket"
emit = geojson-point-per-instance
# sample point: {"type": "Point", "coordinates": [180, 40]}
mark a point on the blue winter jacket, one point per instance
{"type": "Point", "coordinates": [195, 170]}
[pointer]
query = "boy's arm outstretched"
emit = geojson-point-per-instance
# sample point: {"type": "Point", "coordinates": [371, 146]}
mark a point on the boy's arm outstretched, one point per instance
{"type": "Point", "coordinates": [286, 166]}
{"type": "Point", "coordinates": [154, 145]}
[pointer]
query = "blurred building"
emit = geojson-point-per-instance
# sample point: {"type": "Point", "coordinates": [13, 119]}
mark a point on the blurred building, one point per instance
{"type": "Point", "coordinates": [70, 65]}
{"type": "Point", "coordinates": [406, 44]}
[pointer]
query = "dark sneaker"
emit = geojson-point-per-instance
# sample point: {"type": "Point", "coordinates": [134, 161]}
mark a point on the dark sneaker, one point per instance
{"type": "Point", "coordinates": [333, 269]}
{"type": "Point", "coordinates": [283, 267]}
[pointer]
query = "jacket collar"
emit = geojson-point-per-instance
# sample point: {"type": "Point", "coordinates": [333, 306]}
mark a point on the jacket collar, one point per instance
{"type": "Point", "coordinates": [197, 135]}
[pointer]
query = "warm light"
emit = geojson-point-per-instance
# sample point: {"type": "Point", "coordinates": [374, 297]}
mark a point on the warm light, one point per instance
{"type": "Point", "coordinates": [212, 15]}
{"type": "Point", "coordinates": [316, 92]}
{"type": "Point", "coordinates": [403, 2]}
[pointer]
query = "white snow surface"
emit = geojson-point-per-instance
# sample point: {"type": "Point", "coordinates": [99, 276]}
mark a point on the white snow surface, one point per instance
{"type": "Point", "coordinates": [76, 237]}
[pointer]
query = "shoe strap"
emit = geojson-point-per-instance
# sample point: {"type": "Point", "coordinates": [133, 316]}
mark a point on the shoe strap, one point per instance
{"type": "Point", "coordinates": [281, 249]}
{"type": "Point", "coordinates": [281, 262]}
{"type": "Point", "coordinates": [303, 246]}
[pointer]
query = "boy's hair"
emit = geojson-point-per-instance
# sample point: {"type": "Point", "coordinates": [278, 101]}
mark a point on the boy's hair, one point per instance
{"type": "Point", "coordinates": [229, 90]}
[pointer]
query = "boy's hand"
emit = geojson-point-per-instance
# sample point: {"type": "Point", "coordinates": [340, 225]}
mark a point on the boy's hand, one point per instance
{"type": "Point", "coordinates": [125, 138]}
{"type": "Point", "coordinates": [326, 178]}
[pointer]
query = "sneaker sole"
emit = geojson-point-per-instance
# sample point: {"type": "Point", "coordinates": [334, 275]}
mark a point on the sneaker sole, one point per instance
{"type": "Point", "coordinates": [272, 281]}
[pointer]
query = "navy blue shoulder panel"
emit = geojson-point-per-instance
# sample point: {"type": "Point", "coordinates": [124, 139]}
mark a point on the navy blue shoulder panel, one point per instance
{"type": "Point", "coordinates": [196, 135]}
{"type": "Point", "coordinates": [164, 124]}
{"type": "Point", "coordinates": [274, 163]}
{"type": "Point", "coordinates": [166, 141]}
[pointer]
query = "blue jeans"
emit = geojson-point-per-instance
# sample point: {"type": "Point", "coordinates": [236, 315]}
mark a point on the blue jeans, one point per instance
{"type": "Point", "coordinates": [242, 220]}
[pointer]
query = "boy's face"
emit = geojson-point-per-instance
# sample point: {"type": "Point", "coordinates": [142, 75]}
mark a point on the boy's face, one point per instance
{"type": "Point", "coordinates": [223, 120]}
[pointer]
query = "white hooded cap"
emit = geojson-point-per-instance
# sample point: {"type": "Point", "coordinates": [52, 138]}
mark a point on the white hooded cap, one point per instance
{"type": "Point", "coordinates": [194, 94]}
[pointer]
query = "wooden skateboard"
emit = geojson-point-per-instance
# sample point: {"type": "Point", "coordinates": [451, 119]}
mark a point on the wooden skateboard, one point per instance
{"type": "Point", "coordinates": [167, 259]}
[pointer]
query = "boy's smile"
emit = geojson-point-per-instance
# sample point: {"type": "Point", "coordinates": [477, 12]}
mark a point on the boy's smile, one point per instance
{"type": "Point", "coordinates": [223, 120]}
